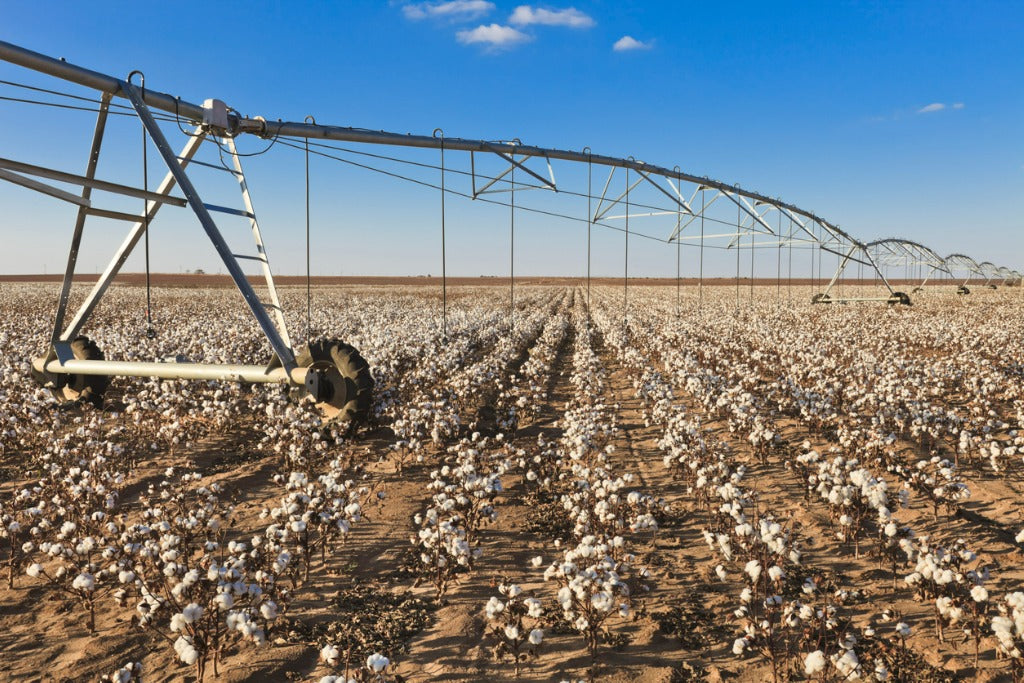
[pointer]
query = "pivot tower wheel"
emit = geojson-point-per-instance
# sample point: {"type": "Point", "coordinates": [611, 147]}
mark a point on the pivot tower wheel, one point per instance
{"type": "Point", "coordinates": [901, 298]}
{"type": "Point", "coordinates": [339, 380]}
{"type": "Point", "coordinates": [74, 388]}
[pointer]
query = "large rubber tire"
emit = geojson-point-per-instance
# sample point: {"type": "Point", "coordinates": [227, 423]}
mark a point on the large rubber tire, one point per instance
{"type": "Point", "coordinates": [901, 298]}
{"type": "Point", "coordinates": [821, 298]}
{"type": "Point", "coordinates": [83, 388]}
{"type": "Point", "coordinates": [352, 386]}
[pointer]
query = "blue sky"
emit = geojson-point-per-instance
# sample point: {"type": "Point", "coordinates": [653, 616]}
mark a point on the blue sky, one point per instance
{"type": "Point", "coordinates": [888, 118]}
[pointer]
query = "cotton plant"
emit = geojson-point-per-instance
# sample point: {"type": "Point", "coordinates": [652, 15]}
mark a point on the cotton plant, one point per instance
{"type": "Point", "coordinates": [199, 593]}
{"type": "Point", "coordinates": [514, 619]}
{"type": "Point", "coordinates": [944, 576]}
{"type": "Point", "coordinates": [208, 607]}
{"type": "Point", "coordinates": [808, 631]}
{"type": "Point", "coordinates": [591, 590]}
{"type": "Point", "coordinates": [81, 565]}
{"type": "Point", "coordinates": [895, 544]}
{"type": "Point", "coordinates": [1008, 628]}
{"type": "Point", "coordinates": [129, 673]}
{"type": "Point", "coordinates": [464, 490]}
{"type": "Point", "coordinates": [373, 670]}
{"type": "Point", "coordinates": [22, 524]}
{"type": "Point", "coordinates": [314, 514]}
{"type": "Point", "coordinates": [937, 481]}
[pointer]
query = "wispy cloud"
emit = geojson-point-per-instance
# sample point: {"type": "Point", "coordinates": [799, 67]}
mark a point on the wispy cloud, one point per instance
{"type": "Point", "coordinates": [939, 106]}
{"type": "Point", "coordinates": [627, 43]}
{"type": "Point", "coordinates": [461, 10]}
{"type": "Point", "coordinates": [494, 36]}
{"type": "Point", "coordinates": [525, 15]}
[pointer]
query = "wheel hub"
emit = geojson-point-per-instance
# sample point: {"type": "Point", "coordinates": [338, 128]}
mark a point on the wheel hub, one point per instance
{"type": "Point", "coordinates": [329, 389]}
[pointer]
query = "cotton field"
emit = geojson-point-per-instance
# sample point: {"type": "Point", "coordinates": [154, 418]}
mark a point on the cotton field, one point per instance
{"type": "Point", "coordinates": [665, 486]}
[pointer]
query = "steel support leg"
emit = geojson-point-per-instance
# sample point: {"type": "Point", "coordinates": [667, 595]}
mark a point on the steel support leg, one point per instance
{"type": "Point", "coordinates": [76, 238]}
{"type": "Point", "coordinates": [281, 348]}
{"type": "Point", "coordinates": [122, 253]}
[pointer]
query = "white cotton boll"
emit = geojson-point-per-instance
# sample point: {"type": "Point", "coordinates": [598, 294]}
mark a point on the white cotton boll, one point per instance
{"type": "Point", "coordinates": [329, 653]}
{"type": "Point", "coordinates": [979, 594]}
{"type": "Point", "coordinates": [35, 570]}
{"type": "Point", "coordinates": [185, 651]}
{"type": "Point", "coordinates": [848, 664]}
{"type": "Point", "coordinates": [903, 629]}
{"type": "Point", "coordinates": [536, 636]}
{"type": "Point", "coordinates": [739, 645]}
{"type": "Point", "coordinates": [84, 582]}
{"type": "Point", "coordinates": [377, 662]}
{"type": "Point", "coordinates": [1020, 537]}
{"type": "Point", "coordinates": [814, 663]}
{"type": "Point", "coordinates": [192, 613]}
{"type": "Point", "coordinates": [494, 607]}
{"type": "Point", "coordinates": [721, 573]}
{"type": "Point", "coordinates": [775, 573]}
{"type": "Point", "coordinates": [178, 623]}
{"type": "Point", "coordinates": [224, 601]}
{"type": "Point", "coordinates": [512, 632]}
{"type": "Point", "coordinates": [269, 610]}
{"type": "Point", "coordinates": [537, 561]}
{"type": "Point", "coordinates": [602, 602]}
{"type": "Point", "coordinates": [753, 570]}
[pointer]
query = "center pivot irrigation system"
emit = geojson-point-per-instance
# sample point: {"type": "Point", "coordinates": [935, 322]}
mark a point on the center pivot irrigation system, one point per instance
{"type": "Point", "coordinates": [332, 372]}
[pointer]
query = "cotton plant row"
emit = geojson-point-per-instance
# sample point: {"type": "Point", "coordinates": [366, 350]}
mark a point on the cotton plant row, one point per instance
{"type": "Point", "coordinates": [778, 628]}
{"type": "Point", "coordinates": [804, 369]}
{"type": "Point", "coordinates": [462, 503]}
{"type": "Point", "coordinates": [941, 575]}
{"type": "Point", "coordinates": [437, 400]}
{"type": "Point", "coordinates": [527, 394]}
{"type": "Point", "coordinates": [189, 585]}
{"type": "Point", "coordinates": [772, 624]}
{"type": "Point", "coordinates": [937, 481]}
{"type": "Point", "coordinates": [746, 414]}
{"type": "Point", "coordinates": [595, 574]}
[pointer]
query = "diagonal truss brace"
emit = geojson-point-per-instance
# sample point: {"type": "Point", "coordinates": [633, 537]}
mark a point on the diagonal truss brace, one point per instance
{"type": "Point", "coordinates": [268, 276]}
{"type": "Point", "coordinates": [514, 163]}
{"type": "Point", "coordinates": [277, 342]}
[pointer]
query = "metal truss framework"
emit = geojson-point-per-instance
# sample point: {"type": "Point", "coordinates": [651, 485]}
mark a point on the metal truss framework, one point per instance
{"type": "Point", "coordinates": [682, 204]}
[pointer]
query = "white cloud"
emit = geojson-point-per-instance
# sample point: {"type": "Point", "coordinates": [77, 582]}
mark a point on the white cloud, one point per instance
{"type": "Point", "coordinates": [453, 9]}
{"type": "Point", "coordinates": [630, 43]}
{"type": "Point", "coordinates": [525, 15]}
{"type": "Point", "coordinates": [495, 36]}
{"type": "Point", "coordinates": [939, 106]}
